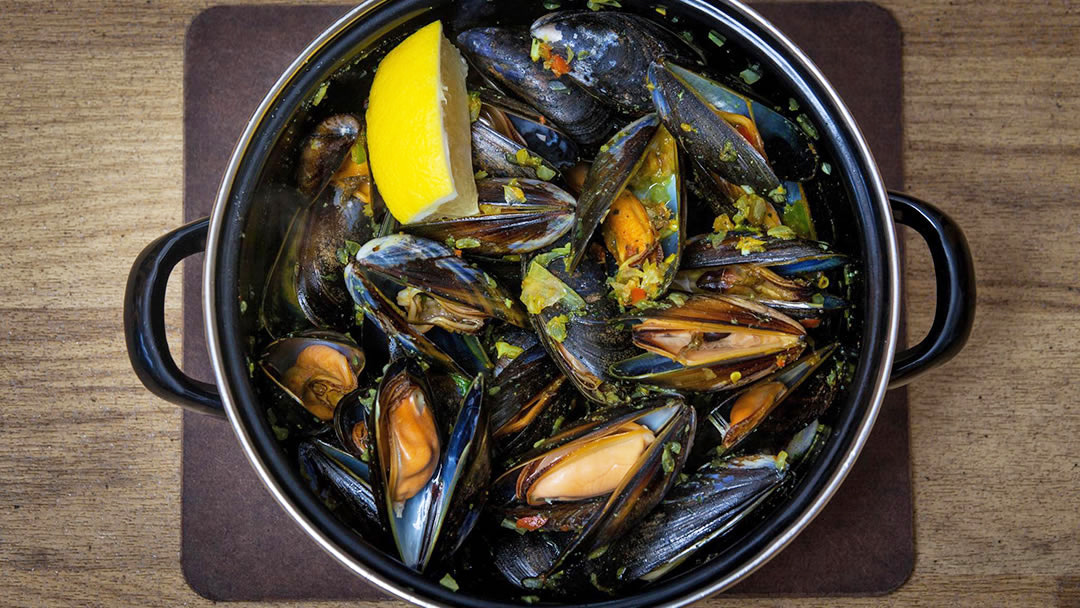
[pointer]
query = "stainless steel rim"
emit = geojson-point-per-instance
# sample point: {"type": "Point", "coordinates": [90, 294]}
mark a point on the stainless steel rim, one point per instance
{"type": "Point", "coordinates": [874, 183]}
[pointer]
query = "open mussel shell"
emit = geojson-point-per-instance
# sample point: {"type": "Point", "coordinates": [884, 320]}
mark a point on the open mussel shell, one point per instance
{"type": "Point", "coordinates": [783, 256]}
{"type": "Point", "coordinates": [706, 136]}
{"type": "Point", "coordinates": [350, 422]}
{"type": "Point", "coordinates": [429, 477]}
{"type": "Point", "coordinates": [506, 225]}
{"type": "Point", "coordinates": [324, 150]}
{"type": "Point", "coordinates": [507, 343]}
{"type": "Point", "coordinates": [342, 482]}
{"type": "Point", "coordinates": [314, 369]}
{"type": "Point", "coordinates": [737, 416]}
{"type": "Point", "coordinates": [457, 352]}
{"type": "Point", "coordinates": [529, 402]}
{"type": "Point", "coordinates": [710, 342]}
{"type": "Point", "coordinates": [432, 268]}
{"type": "Point", "coordinates": [791, 153]}
{"type": "Point", "coordinates": [572, 315]}
{"type": "Point", "coordinates": [523, 124]}
{"type": "Point", "coordinates": [497, 155]}
{"type": "Point", "coordinates": [645, 227]}
{"type": "Point", "coordinates": [610, 52]}
{"type": "Point", "coordinates": [696, 511]}
{"type": "Point", "coordinates": [617, 466]}
{"type": "Point", "coordinates": [616, 163]}
{"type": "Point", "coordinates": [503, 55]}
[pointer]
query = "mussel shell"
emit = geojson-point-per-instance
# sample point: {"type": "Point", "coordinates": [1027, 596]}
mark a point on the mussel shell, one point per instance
{"type": "Point", "coordinates": [342, 483]}
{"type": "Point", "coordinates": [324, 150]}
{"type": "Point", "coordinates": [320, 286]}
{"type": "Point", "coordinates": [707, 137]}
{"type": "Point", "coordinates": [432, 267]}
{"type": "Point", "coordinates": [496, 154]}
{"type": "Point", "coordinates": [723, 375]}
{"type": "Point", "coordinates": [672, 421]}
{"type": "Point", "coordinates": [531, 398]}
{"type": "Point", "coordinates": [430, 525]}
{"type": "Point", "coordinates": [515, 337]}
{"type": "Point", "coordinates": [704, 507]}
{"type": "Point", "coordinates": [784, 256]}
{"type": "Point", "coordinates": [280, 355]}
{"type": "Point", "coordinates": [616, 163]}
{"type": "Point", "coordinates": [787, 380]}
{"type": "Point", "coordinates": [524, 124]}
{"type": "Point", "coordinates": [353, 409]}
{"type": "Point", "coordinates": [790, 151]}
{"type": "Point", "coordinates": [400, 336]}
{"type": "Point", "coordinates": [592, 342]}
{"type": "Point", "coordinates": [506, 228]}
{"type": "Point", "coordinates": [613, 52]}
{"type": "Point", "coordinates": [503, 55]}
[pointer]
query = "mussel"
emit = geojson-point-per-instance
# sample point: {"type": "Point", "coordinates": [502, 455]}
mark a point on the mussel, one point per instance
{"type": "Point", "coordinates": [516, 216]}
{"type": "Point", "coordinates": [613, 470]}
{"type": "Point", "coordinates": [503, 55]}
{"type": "Point", "coordinates": [708, 136]}
{"type": "Point", "coordinates": [735, 417]}
{"type": "Point", "coordinates": [314, 369]}
{"type": "Point", "coordinates": [608, 53]}
{"type": "Point", "coordinates": [434, 286]}
{"type": "Point", "coordinates": [572, 315]}
{"type": "Point", "coordinates": [431, 463]}
{"type": "Point", "coordinates": [784, 256]}
{"type": "Point", "coordinates": [710, 342]}
{"type": "Point", "coordinates": [343, 483]}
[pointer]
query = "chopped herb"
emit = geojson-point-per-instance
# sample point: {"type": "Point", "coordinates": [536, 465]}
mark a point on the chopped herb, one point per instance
{"type": "Point", "coordinates": [352, 248]}
{"type": "Point", "coordinates": [716, 38]}
{"type": "Point", "coordinates": [823, 282]}
{"type": "Point", "coordinates": [662, 10]}
{"type": "Point", "coordinates": [792, 104]}
{"type": "Point", "coordinates": [688, 36]}
{"type": "Point", "coordinates": [505, 349]}
{"type": "Point", "coordinates": [544, 173]}
{"type": "Point", "coordinates": [358, 152]}
{"type": "Point", "coordinates": [595, 5]}
{"type": "Point", "coordinates": [781, 232]}
{"type": "Point", "coordinates": [449, 582]}
{"type": "Point", "coordinates": [532, 583]}
{"type": "Point", "coordinates": [513, 194]}
{"type": "Point", "coordinates": [778, 194]}
{"type": "Point", "coordinates": [667, 460]}
{"type": "Point", "coordinates": [243, 306]}
{"type": "Point", "coordinates": [534, 52]}
{"type": "Point", "coordinates": [686, 127]}
{"type": "Point", "coordinates": [495, 390]}
{"type": "Point", "coordinates": [556, 327]}
{"type": "Point", "coordinates": [727, 154]}
{"type": "Point", "coordinates": [826, 168]}
{"type": "Point", "coordinates": [751, 74]}
{"type": "Point", "coordinates": [620, 572]}
{"type": "Point", "coordinates": [320, 94]}
{"type": "Point", "coordinates": [467, 243]}
{"type": "Point", "coordinates": [598, 552]}
{"type": "Point", "coordinates": [551, 5]}
{"type": "Point", "coordinates": [675, 447]}
{"type": "Point", "coordinates": [474, 106]}
{"type": "Point", "coordinates": [555, 85]}
{"type": "Point", "coordinates": [735, 377]}
{"type": "Point", "coordinates": [807, 126]}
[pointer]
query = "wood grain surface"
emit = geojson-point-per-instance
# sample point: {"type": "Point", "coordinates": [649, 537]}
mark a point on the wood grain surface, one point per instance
{"type": "Point", "coordinates": [90, 153]}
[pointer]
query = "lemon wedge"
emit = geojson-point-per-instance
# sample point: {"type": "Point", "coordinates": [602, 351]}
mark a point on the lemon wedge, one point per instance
{"type": "Point", "coordinates": [418, 129]}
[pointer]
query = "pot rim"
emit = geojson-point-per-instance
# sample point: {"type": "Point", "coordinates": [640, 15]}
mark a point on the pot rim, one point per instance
{"type": "Point", "coordinates": [874, 184]}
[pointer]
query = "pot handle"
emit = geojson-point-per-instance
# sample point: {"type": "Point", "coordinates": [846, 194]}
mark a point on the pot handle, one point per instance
{"type": "Point", "coordinates": [144, 321]}
{"type": "Point", "coordinates": [955, 274]}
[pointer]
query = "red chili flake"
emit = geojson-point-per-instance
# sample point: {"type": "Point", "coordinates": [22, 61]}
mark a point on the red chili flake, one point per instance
{"type": "Point", "coordinates": [559, 66]}
{"type": "Point", "coordinates": [637, 294]}
{"type": "Point", "coordinates": [810, 323]}
{"type": "Point", "coordinates": [531, 523]}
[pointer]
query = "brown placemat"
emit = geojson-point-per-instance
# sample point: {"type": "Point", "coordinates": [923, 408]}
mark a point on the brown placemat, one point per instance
{"type": "Point", "coordinates": [237, 544]}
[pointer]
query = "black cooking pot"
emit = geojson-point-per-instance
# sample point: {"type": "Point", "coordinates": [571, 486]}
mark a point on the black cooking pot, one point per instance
{"type": "Point", "coordinates": [257, 198]}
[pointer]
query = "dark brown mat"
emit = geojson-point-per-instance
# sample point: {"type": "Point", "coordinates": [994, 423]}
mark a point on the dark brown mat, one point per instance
{"type": "Point", "coordinates": [239, 545]}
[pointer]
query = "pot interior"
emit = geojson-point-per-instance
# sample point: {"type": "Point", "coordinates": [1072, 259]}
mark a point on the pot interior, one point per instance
{"type": "Point", "coordinates": [263, 199]}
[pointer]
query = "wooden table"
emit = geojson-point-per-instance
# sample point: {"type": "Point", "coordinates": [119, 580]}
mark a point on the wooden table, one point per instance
{"type": "Point", "coordinates": [90, 150]}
